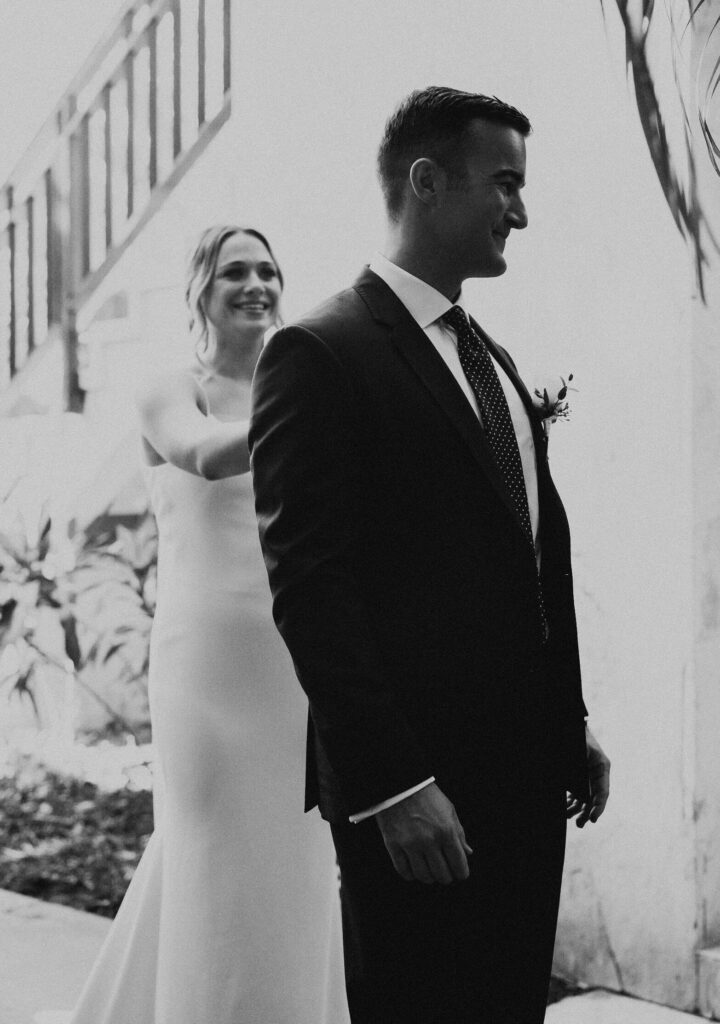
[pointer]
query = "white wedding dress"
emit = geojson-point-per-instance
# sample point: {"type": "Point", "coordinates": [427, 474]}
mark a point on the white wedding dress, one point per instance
{"type": "Point", "coordinates": [232, 916]}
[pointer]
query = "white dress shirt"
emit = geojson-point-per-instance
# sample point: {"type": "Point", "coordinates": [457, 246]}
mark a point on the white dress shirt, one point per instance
{"type": "Point", "coordinates": [427, 306]}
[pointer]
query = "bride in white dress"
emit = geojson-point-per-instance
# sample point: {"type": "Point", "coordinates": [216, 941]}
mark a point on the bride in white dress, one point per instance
{"type": "Point", "coordinates": [232, 916]}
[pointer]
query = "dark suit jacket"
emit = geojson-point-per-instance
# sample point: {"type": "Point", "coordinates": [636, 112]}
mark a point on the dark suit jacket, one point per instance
{"type": "Point", "coordinates": [402, 582]}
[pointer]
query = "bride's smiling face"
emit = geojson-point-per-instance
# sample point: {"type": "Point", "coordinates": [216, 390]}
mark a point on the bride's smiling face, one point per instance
{"type": "Point", "coordinates": [245, 291]}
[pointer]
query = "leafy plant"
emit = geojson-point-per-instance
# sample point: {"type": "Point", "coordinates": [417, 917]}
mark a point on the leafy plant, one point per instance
{"type": "Point", "coordinates": [100, 591]}
{"type": "Point", "coordinates": [688, 21]}
{"type": "Point", "coordinates": [112, 589]}
{"type": "Point", "coordinates": [66, 841]}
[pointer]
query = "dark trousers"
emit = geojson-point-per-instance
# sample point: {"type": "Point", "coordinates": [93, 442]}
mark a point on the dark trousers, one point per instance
{"type": "Point", "coordinates": [475, 952]}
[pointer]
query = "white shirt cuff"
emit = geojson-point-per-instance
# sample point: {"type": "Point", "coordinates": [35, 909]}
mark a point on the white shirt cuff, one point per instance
{"type": "Point", "coordinates": [362, 815]}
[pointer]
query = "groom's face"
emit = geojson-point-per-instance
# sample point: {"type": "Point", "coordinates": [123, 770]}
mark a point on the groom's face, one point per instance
{"type": "Point", "coordinates": [478, 212]}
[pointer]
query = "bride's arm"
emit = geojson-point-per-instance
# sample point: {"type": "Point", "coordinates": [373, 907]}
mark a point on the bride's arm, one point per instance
{"type": "Point", "coordinates": [175, 428]}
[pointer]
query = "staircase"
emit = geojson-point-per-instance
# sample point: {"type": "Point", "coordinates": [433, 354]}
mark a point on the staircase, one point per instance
{"type": "Point", "coordinates": [147, 102]}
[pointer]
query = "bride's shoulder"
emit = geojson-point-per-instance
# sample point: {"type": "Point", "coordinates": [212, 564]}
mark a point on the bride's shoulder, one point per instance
{"type": "Point", "coordinates": [171, 388]}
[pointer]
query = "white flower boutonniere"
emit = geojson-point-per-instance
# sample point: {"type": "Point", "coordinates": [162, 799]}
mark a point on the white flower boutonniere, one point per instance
{"type": "Point", "coordinates": [551, 403]}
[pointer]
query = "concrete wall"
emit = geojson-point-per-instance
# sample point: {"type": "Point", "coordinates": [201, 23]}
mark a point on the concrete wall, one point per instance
{"type": "Point", "coordinates": [706, 533]}
{"type": "Point", "coordinates": [598, 285]}
{"type": "Point", "coordinates": [706, 608]}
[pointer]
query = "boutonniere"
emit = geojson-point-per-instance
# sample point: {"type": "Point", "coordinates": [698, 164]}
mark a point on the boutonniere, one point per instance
{"type": "Point", "coordinates": [552, 403]}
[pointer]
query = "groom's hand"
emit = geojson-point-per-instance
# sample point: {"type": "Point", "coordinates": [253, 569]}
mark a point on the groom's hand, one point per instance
{"type": "Point", "coordinates": [599, 773]}
{"type": "Point", "coordinates": [425, 839]}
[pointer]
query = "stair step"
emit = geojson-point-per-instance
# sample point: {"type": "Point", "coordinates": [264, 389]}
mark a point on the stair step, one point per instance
{"type": "Point", "coordinates": [600, 1007]}
{"type": "Point", "coordinates": [46, 952]}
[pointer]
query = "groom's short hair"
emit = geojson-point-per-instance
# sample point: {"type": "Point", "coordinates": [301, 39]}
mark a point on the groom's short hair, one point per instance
{"type": "Point", "coordinates": [433, 123]}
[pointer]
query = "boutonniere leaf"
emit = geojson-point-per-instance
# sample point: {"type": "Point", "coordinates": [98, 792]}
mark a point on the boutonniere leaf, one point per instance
{"type": "Point", "coordinates": [551, 403]}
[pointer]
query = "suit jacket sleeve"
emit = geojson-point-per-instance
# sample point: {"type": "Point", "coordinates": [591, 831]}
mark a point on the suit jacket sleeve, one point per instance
{"type": "Point", "coordinates": [305, 433]}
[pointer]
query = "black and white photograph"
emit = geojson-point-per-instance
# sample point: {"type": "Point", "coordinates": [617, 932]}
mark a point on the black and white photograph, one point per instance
{"type": "Point", "coordinates": [359, 512]}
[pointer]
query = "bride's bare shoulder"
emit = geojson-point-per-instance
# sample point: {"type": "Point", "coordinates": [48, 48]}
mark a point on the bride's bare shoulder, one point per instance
{"type": "Point", "coordinates": [172, 388]}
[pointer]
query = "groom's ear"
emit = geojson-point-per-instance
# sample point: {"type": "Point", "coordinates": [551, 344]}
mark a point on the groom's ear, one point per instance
{"type": "Point", "coordinates": [426, 179]}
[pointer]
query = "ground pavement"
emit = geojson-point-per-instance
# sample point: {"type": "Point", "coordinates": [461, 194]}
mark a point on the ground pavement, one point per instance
{"type": "Point", "coordinates": [46, 952]}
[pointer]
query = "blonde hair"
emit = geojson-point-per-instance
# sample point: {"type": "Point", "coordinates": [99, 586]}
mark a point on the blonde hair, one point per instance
{"type": "Point", "coordinates": [201, 274]}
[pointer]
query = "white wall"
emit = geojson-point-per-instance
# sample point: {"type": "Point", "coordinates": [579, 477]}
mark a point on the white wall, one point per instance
{"type": "Point", "coordinates": [597, 285]}
{"type": "Point", "coordinates": [706, 539]}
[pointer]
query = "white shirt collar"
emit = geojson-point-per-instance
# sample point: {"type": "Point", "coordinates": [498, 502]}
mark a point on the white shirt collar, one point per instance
{"type": "Point", "coordinates": [424, 303]}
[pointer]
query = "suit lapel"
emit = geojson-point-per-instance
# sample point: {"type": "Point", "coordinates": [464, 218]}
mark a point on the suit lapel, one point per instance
{"type": "Point", "coordinates": [419, 352]}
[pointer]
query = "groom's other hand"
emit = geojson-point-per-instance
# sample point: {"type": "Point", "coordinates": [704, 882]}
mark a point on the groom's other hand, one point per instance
{"type": "Point", "coordinates": [425, 839]}
{"type": "Point", "coordinates": [599, 773]}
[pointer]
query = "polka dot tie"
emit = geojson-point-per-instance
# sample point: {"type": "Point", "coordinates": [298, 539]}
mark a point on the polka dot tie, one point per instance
{"type": "Point", "coordinates": [482, 377]}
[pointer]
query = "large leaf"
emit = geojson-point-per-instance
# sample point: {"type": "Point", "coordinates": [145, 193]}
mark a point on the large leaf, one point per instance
{"type": "Point", "coordinates": [710, 95]}
{"type": "Point", "coordinates": [137, 547]}
{"type": "Point", "coordinates": [102, 604]}
{"type": "Point", "coordinates": [72, 644]}
{"type": "Point", "coordinates": [11, 621]}
{"type": "Point", "coordinates": [14, 547]}
{"type": "Point", "coordinates": [22, 688]}
{"type": "Point", "coordinates": [43, 544]}
{"type": "Point", "coordinates": [680, 189]}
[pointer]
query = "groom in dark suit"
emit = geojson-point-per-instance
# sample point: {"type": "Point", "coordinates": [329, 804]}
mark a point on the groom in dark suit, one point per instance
{"type": "Point", "coordinates": [419, 559]}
